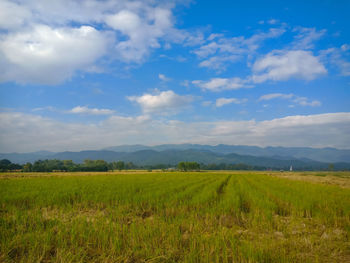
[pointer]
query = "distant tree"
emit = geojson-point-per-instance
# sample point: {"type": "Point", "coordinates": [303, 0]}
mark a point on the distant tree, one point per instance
{"type": "Point", "coordinates": [95, 165]}
{"type": "Point", "coordinates": [120, 165]}
{"type": "Point", "coordinates": [188, 166]}
{"type": "Point", "coordinates": [192, 166]}
{"type": "Point", "coordinates": [27, 167]}
{"type": "Point", "coordinates": [182, 166]}
{"type": "Point", "coordinates": [38, 166]}
{"type": "Point", "coordinates": [5, 162]}
{"type": "Point", "coordinates": [70, 166]}
{"type": "Point", "coordinates": [101, 165]}
{"type": "Point", "coordinates": [130, 165]}
{"type": "Point", "coordinates": [6, 165]}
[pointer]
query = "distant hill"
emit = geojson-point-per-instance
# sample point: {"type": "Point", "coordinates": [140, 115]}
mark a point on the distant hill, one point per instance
{"type": "Point", "coordinates": [316, 154]}
{"type": "Point", "coordinates": [172, 157]}
{"type": "Point", "coordinates": [26, 157]}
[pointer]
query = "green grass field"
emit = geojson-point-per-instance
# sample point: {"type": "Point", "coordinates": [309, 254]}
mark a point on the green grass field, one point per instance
{"type": "Point", "coordinates": [173, 217]}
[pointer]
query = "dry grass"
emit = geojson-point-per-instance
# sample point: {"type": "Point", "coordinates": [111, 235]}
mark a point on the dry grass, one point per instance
{"type": "Point", "coordinates": [341, 179]}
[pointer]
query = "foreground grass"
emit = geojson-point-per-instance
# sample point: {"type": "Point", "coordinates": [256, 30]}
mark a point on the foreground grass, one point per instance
{"type": "Point", "coordinates": [173, 217]}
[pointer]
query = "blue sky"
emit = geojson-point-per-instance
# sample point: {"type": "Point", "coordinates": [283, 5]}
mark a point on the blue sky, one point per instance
{"type": "Point", "coordinates": [79, 75]}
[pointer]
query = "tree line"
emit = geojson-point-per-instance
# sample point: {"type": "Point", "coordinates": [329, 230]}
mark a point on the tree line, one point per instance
{"type": "Point", "coordinates": [66, 166]}
{"type": "Point", "coordinates": [103, 166]}
{"type": "Point", "coordinates": [88, 166]}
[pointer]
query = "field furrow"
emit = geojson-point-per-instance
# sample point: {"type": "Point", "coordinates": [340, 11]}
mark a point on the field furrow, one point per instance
{"type": "Point", "coordinates": [173, 217]}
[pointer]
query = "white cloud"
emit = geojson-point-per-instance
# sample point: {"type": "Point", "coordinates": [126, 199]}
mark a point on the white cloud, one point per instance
{"type": "Point", "coordinates": [306, 37]}
{"type": "Point", "coordinates": [143, 31]}
{"type": "Point", "coordinates": [12, 15]}
{"type": "Point", "coordinates": [39, 44]}
{"type": "Point", "coordinates": [49, 56]}
{"type": "Point", "coordinates": [164, 78]}
{"type": "Point", "coordinates": [221, 51]}
{"type": "Point", "coordinates": [192, 38]}
{"type": "Point", "coordinates": [283, 65]}
{"type": "Point", "coordinates": [224, 101]}
{"type": "Point", "coordinates": [213, 36]}
{"type": "Point", "coordinates": [90, 111]}
{"type": "Point", "coordinates": [344, 67]}
{"type": "Point", "coordinates": [48, 108]}
{"type": "Point", "coordinates": [25, 132]}
{"type": "Point", "coordinates": [275, 96]}
{"type": "Point", "coordinates": [320, 130]}
{"type": "Point", "coordinates": [237, 45]}
{"type": "Point", "coordinates": [125, 21]}
{"type": "Point", "coordinates": [220, 84]}
{"type": "Point", "coordinates": [164, 102]}
{"type": "Point", "coordinates": [218, 63]}
{"type": "Point", "coordinates": [336, 56]}
{"type": "Point", "coordinates": [61, 12]}
{"type": "Point", "coordinates": [273, 21]}
{"type": "Point", "coordinates": [303, 101]}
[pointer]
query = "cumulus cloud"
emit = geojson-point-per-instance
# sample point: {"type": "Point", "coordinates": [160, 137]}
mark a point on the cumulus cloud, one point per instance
{"type": "Point", "coordinates": [303, 101]}
{"type": "Point", "coordinates": [48, 56]}
{"type": "Point", "coordinates": [90, 111]}
{"type": "Point", "coordinates": [143, 32]}
{"type": "Point", "coordinates": [278, 65]}
{"type": "Point", "coordinates": [224, 101]}
{"type": "Point", "coordinates": [218, 51]}
{"type": "Point", "coordinates": [220, 84]}
{"type": "Point", "coordinates": [26, 132]}
{"type": "Point", "coordinates": [12, 15]}
{"type": "Point", "coordinates": [164, 102]}
{"type": "Point", "coordinates": [283, 65]}
{"type": "Point", "coordinates": [47, 42]}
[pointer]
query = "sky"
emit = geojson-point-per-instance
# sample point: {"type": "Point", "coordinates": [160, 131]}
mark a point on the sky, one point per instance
{"type": "Point", "coordinates": [79, 75]}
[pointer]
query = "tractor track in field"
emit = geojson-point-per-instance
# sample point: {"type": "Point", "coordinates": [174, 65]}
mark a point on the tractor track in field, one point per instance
{"type": "Point", "coordinates": [221, 189]}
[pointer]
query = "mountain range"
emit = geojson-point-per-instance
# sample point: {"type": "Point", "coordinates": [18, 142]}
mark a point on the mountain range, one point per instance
{"type": "Point", "coordinates": [171, 154]}
{"type": "Point", "coordinates": [316, 154]}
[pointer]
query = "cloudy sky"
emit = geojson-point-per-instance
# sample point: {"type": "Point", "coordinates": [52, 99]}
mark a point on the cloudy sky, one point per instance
{"type": "Point", "coordinates": [77, 75]}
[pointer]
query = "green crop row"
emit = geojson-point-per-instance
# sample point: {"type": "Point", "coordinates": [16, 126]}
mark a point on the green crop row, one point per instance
{"type": "Point", "coordinates": [173, 217]}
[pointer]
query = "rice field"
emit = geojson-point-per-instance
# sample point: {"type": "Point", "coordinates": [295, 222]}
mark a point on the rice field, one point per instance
{"type": "Point", "coordinates": [174, 217]}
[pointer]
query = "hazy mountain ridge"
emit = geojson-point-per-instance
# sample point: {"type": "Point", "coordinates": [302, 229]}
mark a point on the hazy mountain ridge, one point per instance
{"type": "Point", "coordinates": [316, 154]}
{"type": "Point", "coordinates": [172, 157]}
